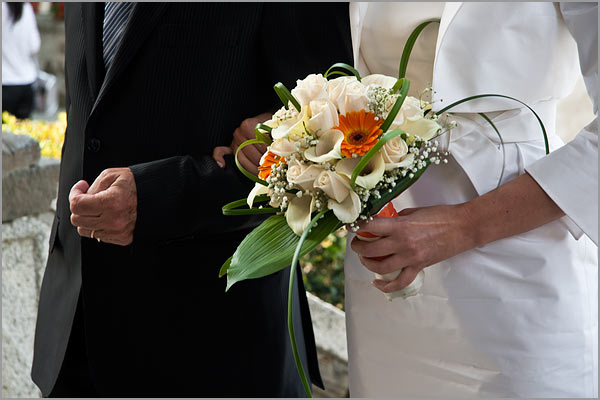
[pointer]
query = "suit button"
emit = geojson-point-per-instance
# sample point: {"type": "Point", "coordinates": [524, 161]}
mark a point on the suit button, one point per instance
{"type": "Point", "coordinates": [94, 145]}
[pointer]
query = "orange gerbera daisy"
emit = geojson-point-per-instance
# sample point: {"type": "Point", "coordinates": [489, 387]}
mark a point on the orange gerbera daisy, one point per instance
{"type": "Point", "coordinates": [264, 169]}
{"type": "Point", "coordinates": [360, 130]}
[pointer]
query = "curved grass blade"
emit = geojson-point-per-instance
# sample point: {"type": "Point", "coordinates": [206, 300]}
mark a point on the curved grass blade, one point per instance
{"type": "Point", "coordinates": [501, 143]}
{"type": "Point", "coordinates": [404, 86]}
{"type": "Point", "coordinates": [347, 67]}
{"type": "Point", "coordinates": [261, 136]}
{"type": "Point", "coordinates": [233, 207]}
{"type": "Point", "coordinates": [371, 153]}
{"type": "Point", "coordinates": [410, 42]}
{"type": "Point", "coordinates": [242, 169]}
{"type": "Point", "coordinates": [479, 96]}
{"type": "Point", "coordinates": [286, 96]}
{"type": "Point", "coordinates": [291, 300]}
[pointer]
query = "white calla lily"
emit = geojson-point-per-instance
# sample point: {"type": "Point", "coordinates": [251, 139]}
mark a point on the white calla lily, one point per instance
{"type": "Point", "coordinates": [335, 186]}
{"type": "Point", "coordinates": [292, 128]}
{"type": "Point", "coordinates": [328, 148]}
{"type": "Point", "coordinates": [348, 210]}
{"type": "Point", "coordinates": [282, 147]}
{"type": "Point", "coordinates": [324, 116]}
{"type": "Point", "coordinates": [370, 175]}
{"type": "Point", "coordinates": [381, 80]}
{"type": "Point", "coordinates": [424, 128]}
{"type": "Point", "coordinates": [298, 213]}
{"type": "Point", "coordinates": [258, 189]}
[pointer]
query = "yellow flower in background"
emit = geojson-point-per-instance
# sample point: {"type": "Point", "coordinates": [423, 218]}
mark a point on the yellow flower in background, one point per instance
{"type": "Point", "coordinates": [50, 135]}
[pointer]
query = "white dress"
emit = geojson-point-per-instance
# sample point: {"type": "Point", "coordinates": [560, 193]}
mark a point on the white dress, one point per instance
{"type": "Point", "coordinates": [500, 320]}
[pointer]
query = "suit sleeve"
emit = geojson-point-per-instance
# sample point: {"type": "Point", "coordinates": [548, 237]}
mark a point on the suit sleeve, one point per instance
{"type": "Point", "coordinates": [569, 175]}
{"type": "Point", "coordinates": [183, 196]}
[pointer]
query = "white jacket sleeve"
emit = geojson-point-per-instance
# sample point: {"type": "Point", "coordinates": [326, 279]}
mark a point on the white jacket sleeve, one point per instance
{"type": "Point", "coordinates": [569, 175]}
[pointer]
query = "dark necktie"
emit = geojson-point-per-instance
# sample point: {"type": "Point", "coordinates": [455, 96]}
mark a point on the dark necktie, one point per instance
{"type": "Point", "coordinates": [116, 15]}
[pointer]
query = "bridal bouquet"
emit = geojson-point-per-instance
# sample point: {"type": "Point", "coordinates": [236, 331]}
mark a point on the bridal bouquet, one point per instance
{"type": "Point", "coordinates": [338, 151]}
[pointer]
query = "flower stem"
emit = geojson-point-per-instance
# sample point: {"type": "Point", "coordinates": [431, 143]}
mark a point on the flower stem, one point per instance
{"type": "Point", "coordinates": [291, 303]}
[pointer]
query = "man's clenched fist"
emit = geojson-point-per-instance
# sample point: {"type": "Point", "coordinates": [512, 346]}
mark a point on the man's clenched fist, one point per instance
{"type": "Point", "coordinates": [108, 208]}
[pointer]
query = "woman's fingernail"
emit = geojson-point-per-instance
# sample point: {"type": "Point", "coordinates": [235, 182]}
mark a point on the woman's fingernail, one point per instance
{"type": "Point", "coordinates": [220, 164]}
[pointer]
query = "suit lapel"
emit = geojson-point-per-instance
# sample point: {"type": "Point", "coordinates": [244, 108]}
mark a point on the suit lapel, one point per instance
{"type": "Point", "coordinates": [144, 17]}
{"type": "Point", "coordinates": [92, 15]}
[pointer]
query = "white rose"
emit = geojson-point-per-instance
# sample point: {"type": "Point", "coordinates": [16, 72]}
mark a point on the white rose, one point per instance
{"type": "Point", "coordinates": [329, 147]}
{"type": "Point", "coordinates": [310, 88]}
{"type": "Point", "coordinates": [282, 147]}
{"type": "Point", "coordinates": [370, 175]}
{"type": "Point", "coordinates": [381, 80]}
{"type": "Point", "coordinates": [410, 111]}
{"type": "Point", "coordinates": [335, 186]}
{"type": "Point", "coordinates": [395, 154]}
{"type": "Point", "coordinates": [298, 213]}
{"type": "Point", "coordinates": [348, 210]}
{"type": "Point", "coordinates": [348, 94]}
{"type": "Point", "coordinates": [324, 116]}
{"type": "Point", "coordinates": [303, 175]}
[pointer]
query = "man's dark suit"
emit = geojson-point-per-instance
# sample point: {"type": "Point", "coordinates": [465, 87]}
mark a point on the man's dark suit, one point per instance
{"type": "Point", "coordinates": [157, 320]}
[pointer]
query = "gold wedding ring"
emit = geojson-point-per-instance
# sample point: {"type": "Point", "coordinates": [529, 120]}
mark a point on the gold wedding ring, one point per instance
{"type": "Point", "coordinates": [92, 235]}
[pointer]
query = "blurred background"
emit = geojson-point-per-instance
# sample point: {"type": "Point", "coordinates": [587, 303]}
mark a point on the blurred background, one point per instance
{"type": "Point", "coordinates": [33, 126]}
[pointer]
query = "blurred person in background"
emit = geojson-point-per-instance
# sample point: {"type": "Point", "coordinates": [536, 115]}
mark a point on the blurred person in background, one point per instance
{"type": "Point", "coordinates": [20, 45]}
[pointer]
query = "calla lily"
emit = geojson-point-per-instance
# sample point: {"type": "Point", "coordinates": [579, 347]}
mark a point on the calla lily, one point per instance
{"type": "Point", "coordinates": [335, 186]}
{"type": "Point", "coordinates": [292, 128]}
{"type": "Point", "coordinates": [424, 128]}
{"type": "Point", "coordinates": [298, 213]}
{"type": "Point", "coordinates": [377, 79]}
{"type": "Point", "coordinates": [328, 148]}
{"type": "Point", "coordinates": [348, 210]}
{"type": "Point", "coordinates": [282, 147]}
{"type": "Point", "coordinates": [370, 175]}
{"type": "Point", "coordinates": [258, 189]}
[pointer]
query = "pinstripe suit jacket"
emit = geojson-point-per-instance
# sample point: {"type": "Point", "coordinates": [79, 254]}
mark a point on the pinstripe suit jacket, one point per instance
{"type": "Point", "coordinates": [157, 320]}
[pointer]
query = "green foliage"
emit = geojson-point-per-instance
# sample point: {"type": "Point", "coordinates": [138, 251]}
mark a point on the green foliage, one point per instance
{"type": "Point", "coordinates": [323, 269]}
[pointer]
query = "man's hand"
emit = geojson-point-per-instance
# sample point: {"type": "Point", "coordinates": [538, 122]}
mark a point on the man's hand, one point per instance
{"type": "Point", "coordinates": [249, 156]}
{"type": "Point", "coordinates": [108, 208]}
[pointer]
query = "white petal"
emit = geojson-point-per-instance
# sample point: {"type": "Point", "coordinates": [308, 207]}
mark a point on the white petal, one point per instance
{"type": "Point", "coordinates": [282, 147]}
{"type": "Point", "coordinates": [291, 127]}
{"type": "Point", "coordinates": [348, 210]}
{"type": "Point", "coordinates": [334, 185]}
{"type": "Point", "coordinates": [258, 189]}
{"type": "Point", "coordinates": [405, 162]}
{"type": "Point", "coordinates": [377, 79]}
{"type": "Point", "coordinates": [370, 175]}
{"type": "Point", "coordinates": [328, 148]}
{"type": "Point", "coordinates": [298, 213]}
{"type": "Point", "coordinates": [424, 128]}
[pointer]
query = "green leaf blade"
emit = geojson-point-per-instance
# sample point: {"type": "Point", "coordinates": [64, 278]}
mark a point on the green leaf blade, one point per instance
{"type": "Point", "coordinates": [270, 247]}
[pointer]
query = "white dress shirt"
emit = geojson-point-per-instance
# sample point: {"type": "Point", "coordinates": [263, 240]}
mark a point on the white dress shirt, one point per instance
{"type": "Point", "coordinates": [20, 45]}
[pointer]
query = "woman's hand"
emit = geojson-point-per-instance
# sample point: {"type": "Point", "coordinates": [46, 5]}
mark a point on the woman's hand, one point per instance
{"type": "Point", "coordinates": [417, 238]}
{"type": "Point", "coordinates": [422, 237]}
{"type": "Point", "coordinates": [249, 156]}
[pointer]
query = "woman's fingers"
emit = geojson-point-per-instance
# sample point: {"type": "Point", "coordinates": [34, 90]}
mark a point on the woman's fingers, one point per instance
{"type": "Point", "coordinates": [406, 277]}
